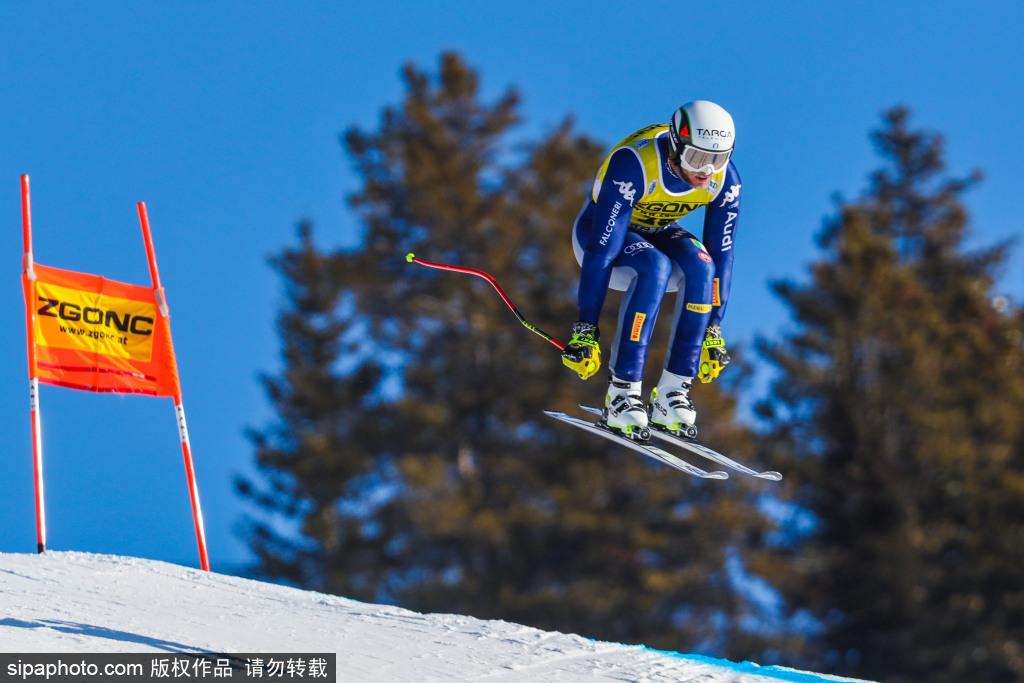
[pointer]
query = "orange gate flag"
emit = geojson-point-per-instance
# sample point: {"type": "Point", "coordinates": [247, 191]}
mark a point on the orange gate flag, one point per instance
{"type": "Point", "coordinates": [100, 335]}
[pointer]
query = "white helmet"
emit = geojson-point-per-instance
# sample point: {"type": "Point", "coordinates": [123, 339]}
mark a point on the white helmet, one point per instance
{"type": "Point", "coordinates": [701, 137]}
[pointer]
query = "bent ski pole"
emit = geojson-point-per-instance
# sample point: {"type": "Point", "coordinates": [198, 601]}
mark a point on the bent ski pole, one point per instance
{"type": "Point", "coordinates": [412, 258]}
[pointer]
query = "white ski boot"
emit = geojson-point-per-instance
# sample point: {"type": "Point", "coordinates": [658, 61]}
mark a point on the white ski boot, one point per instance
{"type": "Point", "coordinates": [671, 407]}
{"type": "Point", "coordinates": [624, 410]}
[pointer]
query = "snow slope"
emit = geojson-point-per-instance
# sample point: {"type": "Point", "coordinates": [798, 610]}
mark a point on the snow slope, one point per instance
{"type": "Point", "coordinates": [84, 603]}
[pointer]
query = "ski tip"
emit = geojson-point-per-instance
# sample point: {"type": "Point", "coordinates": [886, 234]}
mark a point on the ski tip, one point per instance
{"type": "Point", "coordinates": [770, 476]}
{"type": "Point", "coordinates": [410, 257]}
{"type": "Point", "coordinates": [716, 475]}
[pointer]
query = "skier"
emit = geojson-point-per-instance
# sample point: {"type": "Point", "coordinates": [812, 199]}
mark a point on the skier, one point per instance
{"type": "Point", "coordinates": [626, 238]}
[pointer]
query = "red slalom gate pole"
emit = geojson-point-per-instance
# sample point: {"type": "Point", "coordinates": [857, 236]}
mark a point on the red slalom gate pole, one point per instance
{"type": "Point", "coordinates": [33, 380]}
{"type": "Point", "coordinates": [179, 407]}
{"type": "Point", "coordinates": [412, 258]}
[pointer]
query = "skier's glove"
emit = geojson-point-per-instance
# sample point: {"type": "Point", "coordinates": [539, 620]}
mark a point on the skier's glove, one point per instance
{"type": "Point", "coordinates": [583, 353]}
{"type": "Point", "coordinates": [713, 356]}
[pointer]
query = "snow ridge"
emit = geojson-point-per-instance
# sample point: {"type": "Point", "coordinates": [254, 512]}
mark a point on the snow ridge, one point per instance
{"type": "Point", "coordinates": [86, 603]}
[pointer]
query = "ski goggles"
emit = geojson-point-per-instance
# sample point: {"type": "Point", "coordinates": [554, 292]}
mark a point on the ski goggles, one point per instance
{"type": "Point", "coordinates": [701, 161]}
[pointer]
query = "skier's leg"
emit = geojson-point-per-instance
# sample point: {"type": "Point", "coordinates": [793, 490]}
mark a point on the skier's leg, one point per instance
{"type": "Point", "coordinates": [672, 408]}
{"type": "Point", "coordinates": [648, 271]}
{"type": "Point", "coordinates": [696, 272]}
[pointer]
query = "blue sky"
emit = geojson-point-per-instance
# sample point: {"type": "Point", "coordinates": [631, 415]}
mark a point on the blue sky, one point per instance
{"type": "Point", "coordinates": [224, 118]}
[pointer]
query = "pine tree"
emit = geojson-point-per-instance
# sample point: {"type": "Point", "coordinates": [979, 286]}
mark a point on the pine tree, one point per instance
{"type": "Point", "coordinates": [416, 466]}
{"type": "Point", "coordinates": [311, 459]}
{"type": "Point", "coordinates": [898, 411]}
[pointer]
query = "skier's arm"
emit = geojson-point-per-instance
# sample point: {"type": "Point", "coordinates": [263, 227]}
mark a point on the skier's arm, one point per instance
{"type": "Point", "coordinates": [614, 207]}
{"type": "Point", "coordinates": [720, 220]}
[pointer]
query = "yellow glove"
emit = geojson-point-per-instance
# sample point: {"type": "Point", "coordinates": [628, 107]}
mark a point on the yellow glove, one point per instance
{"type": "Point", "coordinates": [583, 354]}
{"type": "Point", "coordinates": [713, 357]}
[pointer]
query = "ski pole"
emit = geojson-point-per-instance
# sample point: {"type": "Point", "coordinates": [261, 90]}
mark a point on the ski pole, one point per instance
{"type": "Point", "coordinates": [412, 258]}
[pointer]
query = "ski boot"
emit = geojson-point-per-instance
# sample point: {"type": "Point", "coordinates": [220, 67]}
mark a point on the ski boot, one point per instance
{"type": "Point", "coordinates": [624, 410]}
{"type": "Point", "coordinates": [671, 408]}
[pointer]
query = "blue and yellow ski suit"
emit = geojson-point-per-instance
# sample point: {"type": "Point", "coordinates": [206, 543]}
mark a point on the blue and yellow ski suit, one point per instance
{"type": "Point", "coordinates": [626, 238]}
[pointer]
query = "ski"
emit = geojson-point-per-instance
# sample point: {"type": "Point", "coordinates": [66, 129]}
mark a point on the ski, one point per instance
{"type": "Point", "coordinates": [698, 448]}
{"type": "Point", "coordinates": [646, 448]}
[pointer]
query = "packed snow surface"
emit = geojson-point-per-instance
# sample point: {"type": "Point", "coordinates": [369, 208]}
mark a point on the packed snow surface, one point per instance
{"type": "Point", "coordinates": [70, 602]}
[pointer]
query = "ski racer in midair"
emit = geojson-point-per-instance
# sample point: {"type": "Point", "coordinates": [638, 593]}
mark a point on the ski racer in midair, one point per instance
{"type": "Point", "coordinates": [627, 238]}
